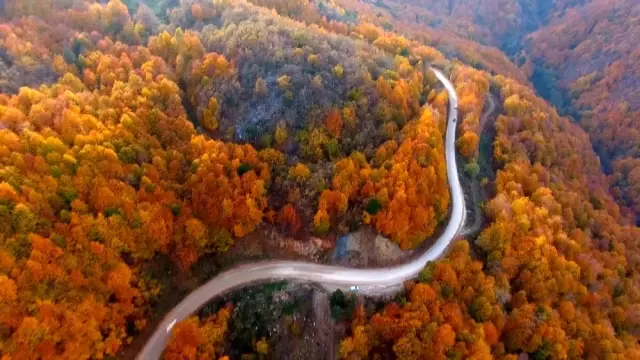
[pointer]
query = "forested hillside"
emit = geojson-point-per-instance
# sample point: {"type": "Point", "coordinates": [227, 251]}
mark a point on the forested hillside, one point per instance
{"type": "Point", "coordinates": [141, 131]}
{"type": "Point", "coordinates": [579, 54]}
{"type": "Point", "coordinates": [594, 53]}
{"type": "Point", "coordinates": [557, 273]}
{"type": "Point", "coordinates": [308, 131]}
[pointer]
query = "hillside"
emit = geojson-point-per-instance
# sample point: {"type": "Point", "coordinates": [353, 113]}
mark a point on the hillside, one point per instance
{"type": "Point", "coordinates": [579, 55]}
{"type": "Point", "coordinates": [596, 63]}
{"type": "Point", "coordinates": [141, 142]}
{"type": "Point", "coordinates": [105, 169]}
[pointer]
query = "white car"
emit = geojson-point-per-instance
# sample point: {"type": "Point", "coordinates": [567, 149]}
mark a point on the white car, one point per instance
{"type": "Point", "coordinates": [355, 288]}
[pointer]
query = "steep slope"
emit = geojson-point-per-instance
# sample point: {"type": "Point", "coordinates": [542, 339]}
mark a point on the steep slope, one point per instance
{"type": "Point", "coordinates": [103, 174]}
{"type": "Point", "coordinates": [319, 117]}
{"type": "Point", "coordinates": [579, 55]}
{"type": "Point", "coordinates": [558, 271]}
{"type": "Point", "coordinates": [594, 51]}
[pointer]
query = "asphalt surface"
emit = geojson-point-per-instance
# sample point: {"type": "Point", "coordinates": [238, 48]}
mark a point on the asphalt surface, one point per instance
{"type": "Point", "coordinates": [370, 280]}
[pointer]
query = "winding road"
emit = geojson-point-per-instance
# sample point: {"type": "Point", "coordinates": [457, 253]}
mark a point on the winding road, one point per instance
{"type": "Point", "coordinates": [334, 276]}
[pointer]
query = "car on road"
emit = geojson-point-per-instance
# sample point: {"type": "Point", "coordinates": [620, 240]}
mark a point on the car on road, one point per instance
{"type": "Point", "coordinates": [355, 288]}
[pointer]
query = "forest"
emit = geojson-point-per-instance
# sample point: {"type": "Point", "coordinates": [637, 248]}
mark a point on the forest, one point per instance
{"type": "Point", "coordinates": [137, 130]}
{"type": "Point", "coordinates": [579, 54]}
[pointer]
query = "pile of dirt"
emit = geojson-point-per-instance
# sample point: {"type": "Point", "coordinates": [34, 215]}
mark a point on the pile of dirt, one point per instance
{"type": "Point", "coordinates": [367, 248]}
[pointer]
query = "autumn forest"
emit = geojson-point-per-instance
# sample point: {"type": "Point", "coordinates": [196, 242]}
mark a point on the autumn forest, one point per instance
{"type": "Point", "coordinates": [135, 133]}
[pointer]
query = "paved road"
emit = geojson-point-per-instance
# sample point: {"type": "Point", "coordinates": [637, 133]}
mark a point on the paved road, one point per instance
{"type": "Point", "coordinates": [333, 276]}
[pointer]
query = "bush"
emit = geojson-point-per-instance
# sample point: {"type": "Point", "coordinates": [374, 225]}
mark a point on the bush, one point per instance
{"type": "Point", "coordinates": [243, 168]}
{"type": "Point", "coordinates": [342, 306]}
{"type": "Point", "coordinates": [472, 169]}
{"type": "Point", "coordinates": [373, 206]}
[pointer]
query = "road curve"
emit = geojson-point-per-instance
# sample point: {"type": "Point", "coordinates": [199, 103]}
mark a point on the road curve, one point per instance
{"type": "Point", "coordinates": [325, 274]}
